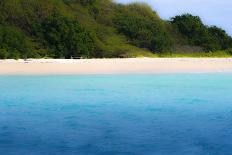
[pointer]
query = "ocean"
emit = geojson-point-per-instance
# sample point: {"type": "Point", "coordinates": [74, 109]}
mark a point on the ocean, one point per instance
{"type": "Point", "coordinates": [160, 114]}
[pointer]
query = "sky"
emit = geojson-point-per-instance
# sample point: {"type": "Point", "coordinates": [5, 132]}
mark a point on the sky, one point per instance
{"type": "Point", "coordinates": [212, 12]}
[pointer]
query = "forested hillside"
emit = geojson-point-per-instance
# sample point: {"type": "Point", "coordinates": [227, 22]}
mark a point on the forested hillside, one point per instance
{"type": "Point", "coordinates": [101, 28]}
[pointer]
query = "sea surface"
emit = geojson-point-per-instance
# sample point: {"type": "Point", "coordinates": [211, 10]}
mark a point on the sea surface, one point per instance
{"type": "Point", "coordinates": [166, 114]}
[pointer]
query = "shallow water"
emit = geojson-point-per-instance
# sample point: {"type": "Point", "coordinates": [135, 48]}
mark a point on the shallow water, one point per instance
{"type": "Point", "coordinates": [170, 114]}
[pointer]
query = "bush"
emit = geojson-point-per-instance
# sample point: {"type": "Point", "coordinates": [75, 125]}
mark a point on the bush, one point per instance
{"type": "Point", "coordinates": [144, 30]}
{"type": "Point", "coordinates": [198, 34]}
{"type": "Point", "coordinates": [229, 51]}
{"type": "Point", "coordinates": [82, 2]}
{"type": "Point", "coordinates": [99, 28]}
{"type": "Point", "coordinates": [221, 38]}
{"type": "Point", "coordinates": [13, 41]}
{"type": "Point", "coordinates": [65, 37]}
{"type": "Point", "coordinates": [3, 54]}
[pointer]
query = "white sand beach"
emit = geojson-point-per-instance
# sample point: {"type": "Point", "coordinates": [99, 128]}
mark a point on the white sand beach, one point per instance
{"type": "Point", "coordinates": [115, 66]}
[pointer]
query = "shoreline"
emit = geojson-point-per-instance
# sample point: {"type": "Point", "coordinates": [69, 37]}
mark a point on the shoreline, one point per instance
{"type": "Point", "coordinates": [115, 66]}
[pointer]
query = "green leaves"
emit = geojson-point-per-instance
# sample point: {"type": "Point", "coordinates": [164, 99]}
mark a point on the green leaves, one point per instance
{"type": "Point", "coordinates": [82, 2]}
{"type": "Point", "coordinates": [144, 30]}
{"type": "Point", "coordinates": [99, 28]}
{"type": "Point", "coordinates": [65, 37]}
{"type": "Point", "coordinates": [13, 43]}
{"type": "Point", "coordinates": [211, 38]}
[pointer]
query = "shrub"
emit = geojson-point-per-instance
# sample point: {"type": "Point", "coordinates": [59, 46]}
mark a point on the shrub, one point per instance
{"type": "Point", "coordinates": [3, 54]}
{"type": "Point", "coordinates": [211, 38]}
{"type": "Point", "coordinates": [65, 37]}
{"type": "Point", "coordinates": [143, 29]}
{"type": "Point", "coordinates": [13, 41]}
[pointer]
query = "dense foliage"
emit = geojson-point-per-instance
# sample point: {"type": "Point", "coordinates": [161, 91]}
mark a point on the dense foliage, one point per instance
{"type": "Point", "coordinates": [143, 30]}
{"type": "Point", "coordinates": [211, 38]}
{"type": "Point", "coordinates": [99, 28]}
{"type": "Point", "coordinates": [65, 37]}
{"type": "Point", "coordinates": [13, 43]}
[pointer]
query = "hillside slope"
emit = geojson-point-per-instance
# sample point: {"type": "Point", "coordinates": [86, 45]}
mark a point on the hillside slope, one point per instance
{"type": "Point", "coordinates": [100, 28]}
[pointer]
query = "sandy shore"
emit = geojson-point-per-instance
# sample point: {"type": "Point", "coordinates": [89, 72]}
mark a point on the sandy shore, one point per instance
{"type": "Point", "coordinates": [115, 66]}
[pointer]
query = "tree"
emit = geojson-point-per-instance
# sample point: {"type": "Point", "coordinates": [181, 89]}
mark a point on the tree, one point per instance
{"type": "Point", "coordinates": [82, 2]}
{"type": "Point", "coordinates": [65, 37]}
{"type": "Point", "coordinates": [192, 27]}
{"type": "Point", "coordinates": [211, 38]}
{"type": "Point", "coordinates": [143, 29]}
{"type": "Point", "coordinates": [13, 43]}
{"type": "Point", "coordinates": [221, 37]}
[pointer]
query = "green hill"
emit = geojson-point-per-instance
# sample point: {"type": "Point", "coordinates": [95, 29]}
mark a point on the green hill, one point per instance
{"type": "Point", "coordinates": [102, 28]}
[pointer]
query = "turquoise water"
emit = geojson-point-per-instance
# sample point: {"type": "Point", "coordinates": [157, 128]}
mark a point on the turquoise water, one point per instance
{"type": "Point", "coordinates": [176, 114]}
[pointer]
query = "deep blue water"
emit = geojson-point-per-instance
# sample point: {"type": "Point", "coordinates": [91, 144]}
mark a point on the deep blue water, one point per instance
{"type": "Point", "coordinates": [170, 114]}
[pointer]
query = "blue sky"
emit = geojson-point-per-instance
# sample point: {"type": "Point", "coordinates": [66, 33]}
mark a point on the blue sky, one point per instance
{"type": "Point", "coordinates": [212, 12]}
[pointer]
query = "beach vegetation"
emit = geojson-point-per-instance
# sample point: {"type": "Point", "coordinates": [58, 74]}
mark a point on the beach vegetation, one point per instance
{"type": "Point", "coordinates": [65, 37]}
{"type": "Point", "coordinates": [143, 27]}
{"type": "Point", "coordinates": [210, 38]}
{"type": "Point", "coordinates": [102, 28]}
